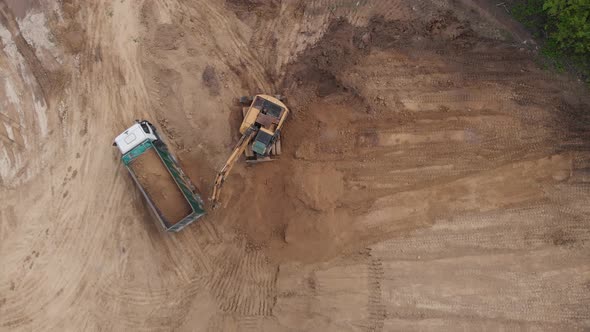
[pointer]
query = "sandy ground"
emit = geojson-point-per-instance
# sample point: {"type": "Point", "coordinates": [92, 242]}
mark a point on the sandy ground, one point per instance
{"type": "Point", "coordinates": [432, 176]}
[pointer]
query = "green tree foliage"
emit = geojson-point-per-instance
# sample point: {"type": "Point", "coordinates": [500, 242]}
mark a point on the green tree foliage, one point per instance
{"type": "Point", "coordinates": [564, 27]}
{"type": "Point", "coordinates": [531, 14]}
{"type": "Point", "coordinates": [568, 24]}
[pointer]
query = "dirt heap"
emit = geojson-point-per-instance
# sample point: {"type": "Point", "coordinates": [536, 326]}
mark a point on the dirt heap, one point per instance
{"type": "Point", "coordinates": [307, 206]}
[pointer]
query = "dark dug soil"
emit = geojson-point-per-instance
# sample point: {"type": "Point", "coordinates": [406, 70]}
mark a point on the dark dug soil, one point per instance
{"type": "Point", "coordinates": [160, 186]}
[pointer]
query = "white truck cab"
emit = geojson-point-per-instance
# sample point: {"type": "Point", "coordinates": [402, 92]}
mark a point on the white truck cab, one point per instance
{"type": "Point", "coordinates": [135, 135]}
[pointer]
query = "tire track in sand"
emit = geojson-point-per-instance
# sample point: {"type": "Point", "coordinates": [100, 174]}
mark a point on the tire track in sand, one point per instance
{"type": "Point", "coordinates": [243, 281]}
{"type": "Point", "coordinates": [377, 311]}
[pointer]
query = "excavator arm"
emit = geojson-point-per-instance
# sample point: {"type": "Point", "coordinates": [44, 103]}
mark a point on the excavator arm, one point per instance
{"type": "Point", "coordinates": [229, 164]}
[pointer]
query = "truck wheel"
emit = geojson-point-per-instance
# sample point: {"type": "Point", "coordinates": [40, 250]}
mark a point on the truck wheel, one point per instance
{"type": "Point", "coordinates": [280, 97]}
{"type": "Point", "coordinates": [245, 100]}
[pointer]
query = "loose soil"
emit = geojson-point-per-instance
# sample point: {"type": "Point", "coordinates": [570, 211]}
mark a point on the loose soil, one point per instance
{"type": "Point", "coordinates": [432, 177]}
{"type": "Point", "coordinates": [160, 187]}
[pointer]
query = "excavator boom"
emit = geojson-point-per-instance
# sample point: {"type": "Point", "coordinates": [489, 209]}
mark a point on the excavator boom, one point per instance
{"type": "Point", "coordinates": [229, 164]}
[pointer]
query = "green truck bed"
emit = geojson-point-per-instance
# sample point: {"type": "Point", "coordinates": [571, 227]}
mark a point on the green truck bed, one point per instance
{"type": "Point", "coordinates": [168, 191]}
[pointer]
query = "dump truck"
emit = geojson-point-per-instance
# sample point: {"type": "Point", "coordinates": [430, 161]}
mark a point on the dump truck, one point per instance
{"type": "Point", "coordinates": [169, 193]}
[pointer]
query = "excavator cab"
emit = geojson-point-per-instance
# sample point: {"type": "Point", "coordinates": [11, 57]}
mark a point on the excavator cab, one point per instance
{"type": "Point", "coordinates": [262, 142]}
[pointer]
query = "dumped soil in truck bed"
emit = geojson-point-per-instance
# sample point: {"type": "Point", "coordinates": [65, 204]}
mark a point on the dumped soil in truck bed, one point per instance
{"type": "Point", "coordinates": [160, 186]}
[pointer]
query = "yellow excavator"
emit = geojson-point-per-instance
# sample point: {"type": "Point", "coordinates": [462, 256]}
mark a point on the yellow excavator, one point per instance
{"type": "Point", "coordinates": [264, 117]}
